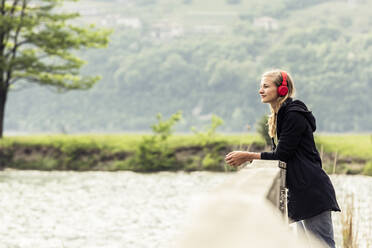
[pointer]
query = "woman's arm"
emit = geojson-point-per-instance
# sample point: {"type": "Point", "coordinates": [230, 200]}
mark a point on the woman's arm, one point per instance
{"type": "Point", "coordinates": [293, 126]}
{"type": "Point", "coordinates": [237, 158]}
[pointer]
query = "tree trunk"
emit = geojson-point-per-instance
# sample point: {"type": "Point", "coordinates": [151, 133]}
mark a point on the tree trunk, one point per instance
{"type": "Point", "coordinates": [3, 94]}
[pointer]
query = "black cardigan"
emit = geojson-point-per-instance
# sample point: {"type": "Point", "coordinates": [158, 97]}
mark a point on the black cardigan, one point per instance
{"type": "Point", "coordinates": [310, 190]}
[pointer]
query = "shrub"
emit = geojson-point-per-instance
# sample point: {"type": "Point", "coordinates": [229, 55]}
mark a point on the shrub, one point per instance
{"type": "Point", "coordinates": [263, 129]}
{"type": "Point", "coordinates": [211, 162]}
{"type": "Point", "coordinates": [211, 147]}
{"type": "Point", "coordinates": [208, 137]}
{"type": "Point", "coordinates": [368, 169]}
{"type": "Point", "coordinates": [154, 153]}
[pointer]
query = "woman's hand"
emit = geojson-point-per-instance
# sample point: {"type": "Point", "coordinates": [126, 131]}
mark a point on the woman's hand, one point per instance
{"type": "Point", "coordinates": [237, 158]}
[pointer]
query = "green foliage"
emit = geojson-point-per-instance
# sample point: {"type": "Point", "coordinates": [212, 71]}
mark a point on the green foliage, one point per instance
{"type": "Point", "coordinates": [38, 45]}
{"type": "Point", "coordinates": [114, 143]}
{"type": "Point", "coordinates": [118, 165]}
{"type": "Point", "coordinates": [120, 151]}
{"type": "Point", "coordinates": [211, 147]}
{"type": "Point", "coordinates": [154, 152]}
{"type": "Point", "coordinates": [326, 46]}
{"type": "Point", "coordinates": [163, 129]}
{"type": "Point", "coordinates": [211, 162]}
{"type": "Point", "coordinates": [368, 169]}
{"type": "Point", "coordinates": [193, 163]}
{"type": "Point", "coordinates": [42, 163]}
{"type": "Point", "coordinates": [209, 135]}
{"type": "Point", "coordinates": [263, 129]}
{"type": "Point", "coordinates": [349, 145]}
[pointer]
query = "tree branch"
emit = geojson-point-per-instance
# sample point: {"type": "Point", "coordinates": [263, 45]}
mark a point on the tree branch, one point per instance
{"type": "Point", "coordinates": [2, 10]}
{"type": "Point", "coordinates": [14, 50]}
{"type": "Point", "coordinates": [16, 46]}
{"type": "Point", "coordinates": [6, 32]}
{"type": "Point", "coordinates": [15, 3]}
{"type": "Point", "coordinates": [14, 80]}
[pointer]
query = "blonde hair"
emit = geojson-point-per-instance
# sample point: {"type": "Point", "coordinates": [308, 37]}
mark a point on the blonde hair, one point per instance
{"type": "Point", "coordinates": [276, 77]}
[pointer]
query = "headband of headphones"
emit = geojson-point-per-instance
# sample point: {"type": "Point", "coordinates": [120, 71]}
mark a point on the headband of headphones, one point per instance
{"type": "Point", "coordinates": [283, 89]}
{"type": "Point", "coordinates": [284, 75]}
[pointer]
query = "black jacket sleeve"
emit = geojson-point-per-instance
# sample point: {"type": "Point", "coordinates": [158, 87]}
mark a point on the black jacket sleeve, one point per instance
{"type": "Point", "coordinates": [293, 126]}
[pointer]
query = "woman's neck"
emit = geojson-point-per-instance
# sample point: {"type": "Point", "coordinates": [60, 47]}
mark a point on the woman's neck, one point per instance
{"type": "Point", "coordinates": [274, 106]}
{"type": "Point", "coordinates": [277, 104]}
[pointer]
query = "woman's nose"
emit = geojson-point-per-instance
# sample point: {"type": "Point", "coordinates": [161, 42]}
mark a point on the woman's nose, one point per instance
{"type": "Point", "coordinates": [260, 91]}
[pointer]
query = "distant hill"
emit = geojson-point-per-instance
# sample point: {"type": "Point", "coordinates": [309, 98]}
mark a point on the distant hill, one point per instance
{"type": "Point", "coordinates": [206, 57]}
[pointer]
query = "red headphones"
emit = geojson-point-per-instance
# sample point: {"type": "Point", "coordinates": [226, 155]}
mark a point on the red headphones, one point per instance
{"type": "Point", "coordinates": [283, 89]}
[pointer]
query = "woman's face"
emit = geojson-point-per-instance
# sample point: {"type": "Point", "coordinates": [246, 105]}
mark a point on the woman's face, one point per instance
{"type": "Point", "coordinates": [268, 91]}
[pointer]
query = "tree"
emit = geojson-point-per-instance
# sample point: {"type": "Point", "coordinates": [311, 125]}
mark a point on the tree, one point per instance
{"type": "Point", "coordinates": [37, 45]}
{"type": "Point", "coordinates": [263, 129]}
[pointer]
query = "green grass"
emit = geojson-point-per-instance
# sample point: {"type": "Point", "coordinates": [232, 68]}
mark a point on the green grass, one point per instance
{"type": "Point", "coordinates": [98, 146]}
{"type": "Point", "coordinates": [110, 142]}
{"type": "Point", "coordinates": [353, 145]}
{"type": "Point", "coordinates": [347, 145]}
{"type": "Point", "coordinates": [97, 151]}
{"type": "Point", "coordinates": [116, 142]}
{"type": "Point", "coordinates": [367, 170]}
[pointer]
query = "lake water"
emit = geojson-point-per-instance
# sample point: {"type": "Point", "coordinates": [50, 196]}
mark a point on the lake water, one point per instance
{"type": "Point", "coordinates": [124, 209]}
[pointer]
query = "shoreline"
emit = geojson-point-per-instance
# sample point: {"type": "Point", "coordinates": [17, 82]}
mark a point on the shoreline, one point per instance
{"type": "Point", "coordinates": [114, 152]}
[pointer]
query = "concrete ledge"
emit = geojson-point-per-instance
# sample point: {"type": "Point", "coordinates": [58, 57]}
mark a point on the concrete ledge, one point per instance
{"type": "Point", "coordinates": [238, 214]}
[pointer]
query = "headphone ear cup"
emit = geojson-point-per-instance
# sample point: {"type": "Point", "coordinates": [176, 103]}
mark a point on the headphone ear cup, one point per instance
{"type": "Point", "coordinates": [282, 90]}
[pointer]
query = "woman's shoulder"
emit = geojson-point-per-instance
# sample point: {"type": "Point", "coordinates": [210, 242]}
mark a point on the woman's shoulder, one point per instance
{"type": "Point", "coordinates": [298, 112]}
{"type": "Point", "coordinates": [296, 105]}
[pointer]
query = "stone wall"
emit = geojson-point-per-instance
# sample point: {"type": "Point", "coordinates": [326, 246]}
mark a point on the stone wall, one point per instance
{"type": "Point", "coordinates": [238, 214]}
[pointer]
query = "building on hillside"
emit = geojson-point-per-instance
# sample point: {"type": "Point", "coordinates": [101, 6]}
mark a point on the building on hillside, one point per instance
{"type": "Point", "coordinates": [129, 22]}
{"type": "Point", "coordinates": [266, 22]}
{"type": "Point", "coordinates": [165, 30]}
{"type": "Point", "coordinates": [208, 29]}
{"type": "Point", "coordinates": [118, 20]}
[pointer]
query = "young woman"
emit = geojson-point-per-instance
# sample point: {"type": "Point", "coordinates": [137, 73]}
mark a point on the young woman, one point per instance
{"type": "Point", "coordinates": [311, 196]}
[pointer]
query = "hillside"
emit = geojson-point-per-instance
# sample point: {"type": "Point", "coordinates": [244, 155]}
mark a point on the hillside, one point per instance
{"type": "Point", "coordinates": [205, 57]}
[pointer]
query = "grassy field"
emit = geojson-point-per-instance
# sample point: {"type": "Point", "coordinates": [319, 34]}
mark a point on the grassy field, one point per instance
{"type": "Point", "coordinates": [117, 142]}
{"type": "Point", "coordinates": [347, 145]}
{"type": "Point", "coordinates": [121, 152]}
{"type": "Point", "coordinates": [116, 151]}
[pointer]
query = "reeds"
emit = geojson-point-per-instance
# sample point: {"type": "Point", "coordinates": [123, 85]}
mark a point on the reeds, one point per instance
{"type": "Point", "coordinates": [349, 230]}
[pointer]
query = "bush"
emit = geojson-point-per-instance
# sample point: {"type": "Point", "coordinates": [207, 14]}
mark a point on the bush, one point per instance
{"type": "Point", "coordinates": [212, 148]}
{"type": "Point", "coordinates": [368, 169]}
{"type": "Point", "coordinates": [263, 129]}
{"type": "Point", "coordinates": [154, 153]}
{"type": "Point", "coordinates": [193, 163]}
{"type": "Point", "coordinates": [208, 137]}
{"type": "Point", "coordinates": [211, 162]}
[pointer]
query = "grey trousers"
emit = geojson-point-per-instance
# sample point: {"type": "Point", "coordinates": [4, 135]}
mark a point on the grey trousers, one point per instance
{"type": "Point", "coordinates": [320, 226]}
